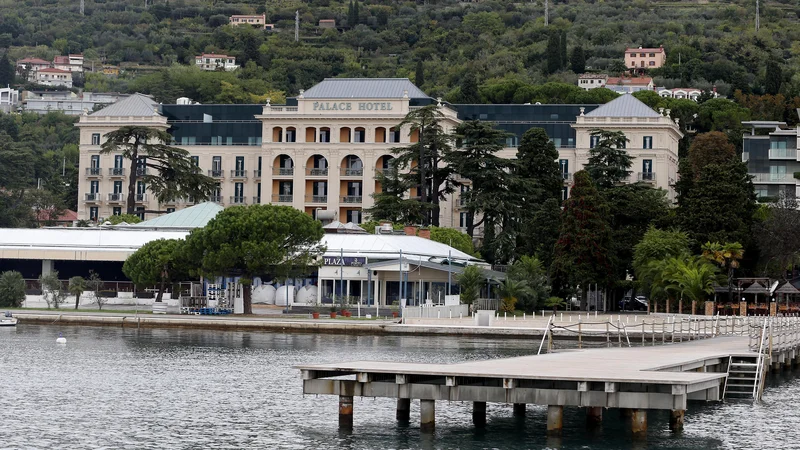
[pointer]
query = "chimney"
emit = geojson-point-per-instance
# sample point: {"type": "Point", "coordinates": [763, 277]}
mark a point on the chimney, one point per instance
{"type": "Point", "coordinates": [410, 230]}
{"type": "Point", "coordinates": [425, 233]}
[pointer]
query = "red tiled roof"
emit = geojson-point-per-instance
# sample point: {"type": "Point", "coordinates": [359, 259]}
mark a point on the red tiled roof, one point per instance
{"type": "Point", "coordinates": [212, 55]}
{"type": "Point", "coordinates": [68, 216]}
{"type": "Point", "coordinates": [640, 81]}
{"type": "Point", "coordinates": [646, 50]}
{"type": "Point", "coordinates": [53, 70]}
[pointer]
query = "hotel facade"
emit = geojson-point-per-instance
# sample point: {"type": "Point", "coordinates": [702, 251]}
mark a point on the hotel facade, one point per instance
{"type": "Point", "coordinates": [323, 150]}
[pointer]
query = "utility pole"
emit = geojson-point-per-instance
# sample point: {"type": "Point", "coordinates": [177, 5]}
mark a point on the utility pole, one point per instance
{"type": "Point", "coordinates": [758, 21]}
{"type": "Point", "coordinates": [82, 7]}
{"type": "Point", "coordinates": [297, 26]}
{"type": "Point", "coordinates": [546, 12]}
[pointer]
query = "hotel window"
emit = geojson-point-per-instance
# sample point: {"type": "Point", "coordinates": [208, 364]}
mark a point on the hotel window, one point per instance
{"type": "Point", "coordinates": [652, 63]}
{"type": "Point", "coordinates": [777, 173]}
{"type": "Point", "coordinates": [593, 141]}
{"type": "Point", "coordinates": [170, 210]}
{"type": "Point", "coordinates": [141, 190]}
{"type": "Point", "coordinates": [93, 213]}
{"type": "Point", "coordinates": [117, 210]}
{"type": "Point", "coordinates": [564, 193]}
{"type": "Point", "coordinates": [188, 140]}
{"type": "Point", "coordinates": [140, 212]}
{"type": "Point", "coordinates": [216, 165]}
{"type": "Point", "coordinates": [254, 141]}
{"type": "Point", "coordinates": [647, 142]}
{"type": "Point", "coordinates": [642, 55]}
{"type": "Point", "coordinates": [652, 55]}
{"type": "Point", "coordinates": [240, 171]}
{"type": "Point", "coordinates": [94, 188]}
{"type": "Point", "coordinates": [647, 170]}
{"type": "Point", "coordinates": [285, 188]}
{"type": "Point", "coordinates": [633, 55]}
{"type": "Point", "coordinates": [564, 165]}
{"type": "Point", "coordinates": [324, 134]}
{"type": "Point", "coordinates": [196, 161]}
{"type": "Point", "coordinates": [118, 187]}
{"type": "Point", "coordinates": [359, 135]}
{"type": "Point", "coordinates": [394, 135]}
{"type": "Point", "coordinates": [354, 189]}
{"type": "Point", "coordinates": [354, 216]}
{"type": "Point", "coordinates": [462, 220]}
{"type": "Point", "coordinates": [291, 135]}
{"type": "Point", "coordinates": [118, 163]}
{"type": "Point", "coordinates": [95, 138]}
{"type": "Point", "coordinates": [95, 164]}
{"type": "Point", "coordinates": [238, 193]}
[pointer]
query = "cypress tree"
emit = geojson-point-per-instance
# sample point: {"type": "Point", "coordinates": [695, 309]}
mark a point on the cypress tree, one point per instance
{"type": "Point", "coordinates": [578, 60]}
{"type": "Point", "coordinates": [774, 77]}
{"type": "Point", "coordinates": [564, 58]}
{"type": "Point", "coordinates": [553, 53]}
{"type": "Point", "coordinates": [419, 76]}
{"type": "Point", "coordinates": [356, 16]}
{"type": "Point", "coordinates": [469, 88]}
{"type": "Point", "coordinates": [350, 17]}
{"type": "Point", "coordinates": [6, 71]}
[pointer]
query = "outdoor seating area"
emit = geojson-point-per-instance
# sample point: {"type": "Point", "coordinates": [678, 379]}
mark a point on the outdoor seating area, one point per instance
{"type": "Point", "coordinates": [758, 297]}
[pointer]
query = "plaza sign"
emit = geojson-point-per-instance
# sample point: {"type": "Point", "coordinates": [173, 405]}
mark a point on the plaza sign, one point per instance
{"type": "Point", "coordinates": [346, 261]}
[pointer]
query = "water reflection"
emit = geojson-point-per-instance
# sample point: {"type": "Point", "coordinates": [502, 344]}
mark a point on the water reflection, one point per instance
{"type": "Point", "coordinates": [153, 388]}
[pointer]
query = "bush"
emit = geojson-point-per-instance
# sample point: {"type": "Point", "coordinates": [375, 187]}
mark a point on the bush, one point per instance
{"type": "Point", "coordinates": [12, 289]}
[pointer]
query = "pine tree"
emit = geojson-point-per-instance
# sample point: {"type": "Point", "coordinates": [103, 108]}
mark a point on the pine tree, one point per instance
{"type": "Point", "coordinates": [356, 14]}
{"type": "Point", "coordinates": [351, 20]}
{"type": "Point", "coordinates": [578, 60]}
{"type": "Point", "coordinates": [419, 76]}
{"type": "Point", "coordinates": [6, 71]}
{"type": "Point", "coordinates": [581, 253]}
{"type": "Point", "coordinates": [609, 162]}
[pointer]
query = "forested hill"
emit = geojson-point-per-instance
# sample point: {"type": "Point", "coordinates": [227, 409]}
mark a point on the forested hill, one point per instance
{"type": "Point", "coordinates": [442, 45]}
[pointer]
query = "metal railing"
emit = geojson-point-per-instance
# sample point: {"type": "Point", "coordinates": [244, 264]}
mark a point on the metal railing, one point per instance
{"type": "Point", "coordinates": [486, 304]}
{"type": "Point", "coordinates": [351, 199]}
{"type": "Point", "coordinates": [772, 178]}
{"type": "Point", "coordinates": [257, 173]}
{"type": "Point", "coordinates": [783, 153]}
{"type": "Point", "coordinates": [256, 200]}
{"type": "Point", "coordinates": [216, 173]}
{"type": "Point", "coordinates": [141, 198]}
{"type": "Point", "coordinates": [351, 172]}
{"type": "Point", "coordinates": [646, 177]}
{"type": "Point", "coordinates": [317, 172]}
{"type": "Point", "coordinates": [282, 198]}
{"type": "Point", "coordinates": [116, 197]}
{"type": "Point", "coordinates": [215, 199]}
{"type": "Point", "coordinates": [283, 171]}
{"type": "Point", "coordinates": [567, 176]}
{"type": "Point", "coordinates": [92, 197]}
{"type": "Point", "coordinates": [141, 171]}
{"type": "Point", "coordinates": [94, 172]}
{"type": "Point", "coordinates": [316, 199]}
{"type": "Point", "coordinates": [240, 200]}
{"type": "Point", "coordinates": [116, 172]}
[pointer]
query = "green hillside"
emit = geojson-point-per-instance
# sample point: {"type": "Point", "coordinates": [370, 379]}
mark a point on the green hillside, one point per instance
{"type": "Point", "coordinates": [435, 43]}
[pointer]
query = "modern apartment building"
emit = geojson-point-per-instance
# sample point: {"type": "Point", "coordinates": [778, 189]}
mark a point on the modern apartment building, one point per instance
{"type": "Point", "coordinates": [53, 77]}
{"type": "Point", "coordinates": [211, 61]}
{"type": "Point", "coordinates": [588, 81]}
{"type": "Point", "coordinates": [322, 150]}
{"type": "Point", "coordinates": [770, 151]}
{"type": "Point", "coordinates": [645, 58]}
{"type": "Point", "coordinates": [68, 102]}
{"type": "Point", "coordinates": [71, 63]}
{"type": "Point", "coordinates": [256, 21]}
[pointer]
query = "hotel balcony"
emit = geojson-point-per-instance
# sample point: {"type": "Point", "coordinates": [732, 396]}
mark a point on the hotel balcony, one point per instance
{"type": "Point", "coordinates": [239, 174]}
{"type": "Point", "coordinates": [773, 178]}
{"type": "Point", "coordinates": [116, 198]}
{"type": "Point", "coordinates": [316, 172]}
{"type": "Point", "coordinates": [256, 200]}
{"type": "Point", "coordinates": [352, 199]}
{"type": "Point", "coordinates": [140, 171]}
{"type": "Point", "coordinates": [141, 198]}
{"type": "Point", "coordinates": [115, 172]}
{"type": "Point", "coordinates": [234, 200]}
{"type": "Point", "coordinates": [783, 153]}
{"type": "Point", "coordinates": [257, 174]}
{"type": "Point", "coordinates": [283, 171]}
{"type": "Point", "coordinates": [282, 198]}
{"type": "Point", "coordinates": [94, 172]}
{"type": "Point", "coordinates": [567, 177]}
{"type": "Point", "coordinates": [645, 177]}
{"type": "Point", "coordinates": [215, 199]}
{"type": "Point", "coordinates": [216, 173]}
{"type": "Point", "coordinates": [316, 199]}
{"type": "Point", "coordinates": [92, 197]}
{"type": "Point", "coordinates": [352, 172]}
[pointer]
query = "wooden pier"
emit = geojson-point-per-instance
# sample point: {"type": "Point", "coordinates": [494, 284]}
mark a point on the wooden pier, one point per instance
{"type": "Point", "coordinates": [633, 379]}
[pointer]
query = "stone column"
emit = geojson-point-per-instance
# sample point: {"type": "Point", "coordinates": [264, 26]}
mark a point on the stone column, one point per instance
{"type": "Point", "coordinates": [676, 420]}
{"type": "Point", "coordinates": [427, 415]}
{"type": "Point", "coordinates": [639, 422]}
{"type": "Point", "coordinates": [594, 416]}
{"type": "Point", "coordinates": [709, 307]}
{"type": "Point", "coordinates": [742, 309]}
{"type": "Point", "coordinates": [479, 414]}
{"type": "Point", "coordinates": [519, 409]}
{"type": "Point", "coordinates": [346, 411]}
{"type": "Point", "coordinates": [555, 420]}
{"type": "Point", "coordinates": [773, 309]}
{"type": "Point", "coordinates": [403, 409]}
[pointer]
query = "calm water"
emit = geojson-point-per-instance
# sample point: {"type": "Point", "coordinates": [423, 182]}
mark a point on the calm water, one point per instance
{"type": "Point", "coordinates": [113, 388]}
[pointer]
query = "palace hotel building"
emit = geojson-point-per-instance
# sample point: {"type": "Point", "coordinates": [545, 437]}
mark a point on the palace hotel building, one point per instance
{"type": "Point", "coordinates": [323, 149]}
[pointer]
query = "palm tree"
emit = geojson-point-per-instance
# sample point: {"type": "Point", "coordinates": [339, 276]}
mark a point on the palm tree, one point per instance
{"type": "Point", "coordinates": [531, 270]}
{"type": "Point", "coordinates": [511, 290]}
{"type": "Point", "coordinates": [555, 303]}
{"type": "Point", "coordinates": [469, 282]}
{"type": "Point", "coordinates": [727, 256]}
{"type": "Point", "coordinates": [693, 278]}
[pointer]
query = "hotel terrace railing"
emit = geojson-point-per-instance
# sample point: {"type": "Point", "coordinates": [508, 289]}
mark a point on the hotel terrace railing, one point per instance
{"type": "Point", "coordinates": [92, 197]}
{"type": "Point", "coordinates": [567, 176]}
{"type": "Point", "coordinates": [352, 172]}
{"type": "Point", "coordinates": [780, 178]}
{"type": "Point", "coordinates": [256, 200]}
{"type": "Point", "coordinates": [116, 198]}
{"type": "Point", "coordinates": [283, 171]}
{"type": "Point", "coordinates": [317, 172]}
{"type": "Point", "coordinates": [316, 199]}
{"type": "Point", "coordinates": [646, 177]}
{"type": "Point", "coordinates": [239, 174]}
{"type": "Point", "coordinates": [352, 199]}
{"type": "Point", "coordinates": [240, 200]}
{"type": "Point", "coordinates": [282, 198]}
{"type": "Point", "coordinates": [783, 153]}
{"type": "Point", "coordinates": [141, 198]}
{"type": "Point", "coordinates": [94, 172]}
{"type": "Point", "coordinates": [116, 172]}
{"type": "Point", "coordinates": [216, 173]}
{"type": "Point", "coordinates": [257, 173]}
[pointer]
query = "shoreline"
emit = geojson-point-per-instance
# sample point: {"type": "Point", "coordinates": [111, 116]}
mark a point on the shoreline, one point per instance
{"type": "Point", "coordinates": [313, 326]}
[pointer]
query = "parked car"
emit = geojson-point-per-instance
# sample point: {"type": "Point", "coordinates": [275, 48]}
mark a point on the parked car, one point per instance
{"type": "Point", "coordinates": [638, 303]}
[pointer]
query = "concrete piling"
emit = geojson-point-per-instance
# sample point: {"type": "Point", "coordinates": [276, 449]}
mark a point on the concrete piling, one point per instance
{"type": "Point", "coordinates": [676, 420]}
{"type": "Point", "coordinates": [594, 416]}
{"type": "Point", "coordinates": [519, 409]}
{"type": "Point", "coordinates": [479, 414]}
{"type": "Point", "coordinates": [427, 415]}
{"type": "Point", "coordinates": [639, 422]}
{"type": "Point", "coordinates": [403, 409]}
{"type": "Point", "coordinates": [555, 420]}
{"type": "Point", "coordinates": [346, 411]}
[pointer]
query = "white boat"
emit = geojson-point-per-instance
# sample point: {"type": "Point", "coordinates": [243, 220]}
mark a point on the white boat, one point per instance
{"type": "Point", "coordinates": [7, 321]}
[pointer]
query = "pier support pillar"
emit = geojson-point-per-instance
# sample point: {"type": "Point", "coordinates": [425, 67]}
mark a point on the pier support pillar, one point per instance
{"type": "Point", "coordinates": [403, 409]}
{"type": "Point", "coordinates": [519, 409]}
{"type": "Point", "coordinates": [479, 414]}
{"type": "Point", "coordinates": [346, 411]}
{"type": "Point", "coordinates": [709, 308]}
{"type": "Point", "coordinates": [639, 422]}
{"type": "Point", "coordinates": [594, 416]}
{"type": "Point", "coordinates": [742, 309]}
{"type": "Point", "coordinates": [427, 415]}
{"type": "Point", "coordinates": [676, 420]}
{"type": "Point", "coordinates": [668, 307]}
{"type": "Point", "coordinates": [555, 420]}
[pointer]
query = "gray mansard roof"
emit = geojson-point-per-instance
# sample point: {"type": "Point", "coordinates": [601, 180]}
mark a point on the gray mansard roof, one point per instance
{"type": "Point", "coordinates": [625, 105]}
{"type": "Point", "coordinates": [364, 88]}
{"type": "Point", "coordinates": [137, 105]}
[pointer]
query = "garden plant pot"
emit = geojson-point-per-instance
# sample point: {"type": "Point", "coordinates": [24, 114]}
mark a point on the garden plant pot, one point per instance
{"type": "Point", "coordinates": [394, 314]}
{"type": "Point", "coordinates": [315, 315]}
{"type": "Point", "coordinates": [333, 315]}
